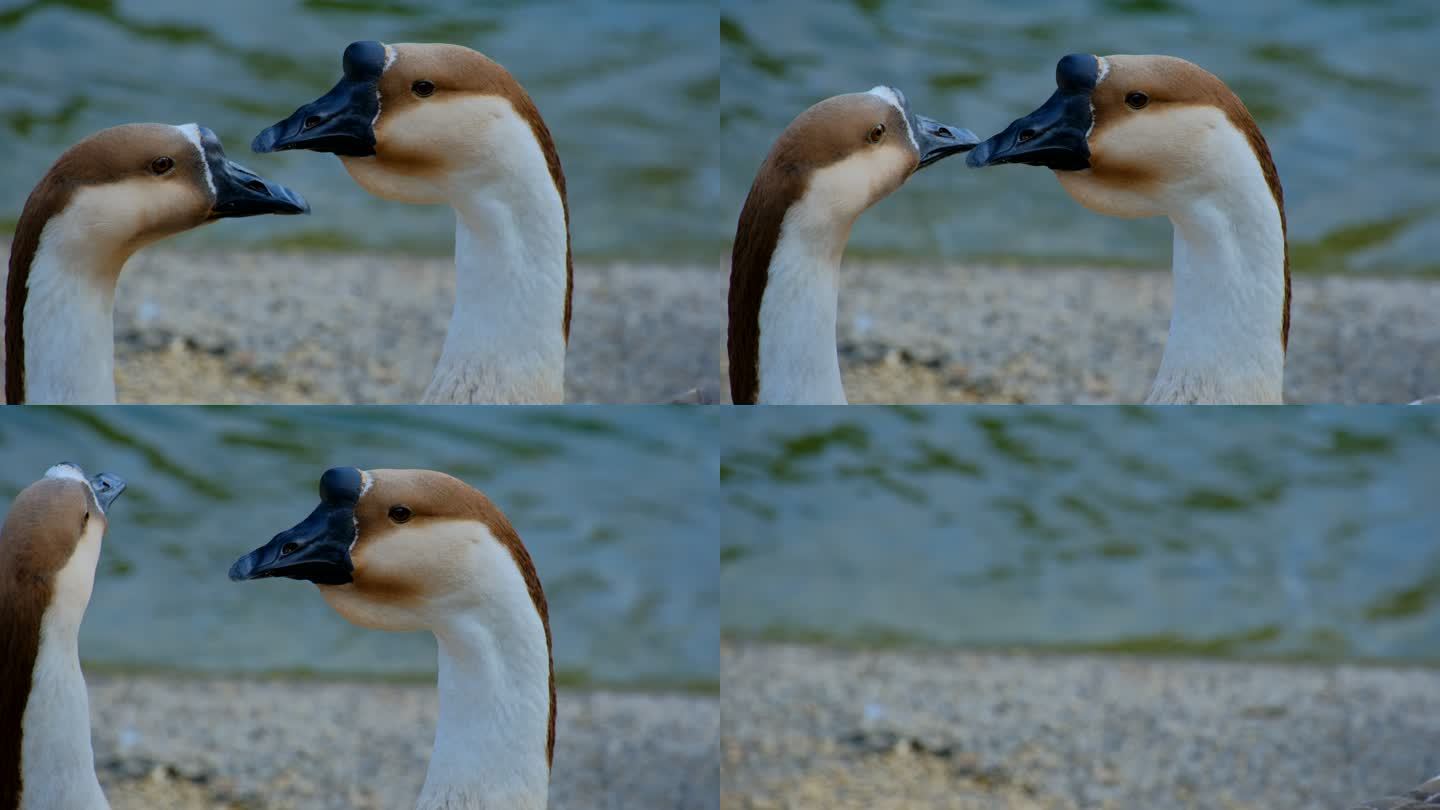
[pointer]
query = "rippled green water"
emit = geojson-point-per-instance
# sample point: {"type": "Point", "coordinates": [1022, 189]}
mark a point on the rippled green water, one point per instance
{"type": "Point", "coordinates": [617, 506]}
{"type": "Point", "coordinates": [628, 88]}
{"type": "Point", "coordinates": [1345, 91]}
{"type": "Point", "coordinates": [1312, 533]}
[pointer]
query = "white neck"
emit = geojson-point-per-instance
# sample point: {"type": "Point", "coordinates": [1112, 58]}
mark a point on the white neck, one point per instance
{"type": "Point", "coordinates": [490, 743]}
{"type": "Point", "coordinates": [57, 762]}
{"type": "Point", "coordinates": [69, 319]}
{"type": "Point", "coordinates": [1229, 267]}
{"type": "Point", "coordinates": [799, 363]}
{"type": "Point", "coordinates": [505, 343]}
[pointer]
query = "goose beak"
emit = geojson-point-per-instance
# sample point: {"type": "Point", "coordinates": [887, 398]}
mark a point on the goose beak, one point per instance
{"type": "Point", "coordinates": [1057, 135]}
{"type": "Point", "coordinates": [340, 122]}
{"type": "Point", "coordinates": [938, 141]}
{"type": "Point", "coordinates": [318, 548]}
{"type": "Point", "coordinates": [107, 487]}
{"type": "Point", "coordinates": [240, 192]}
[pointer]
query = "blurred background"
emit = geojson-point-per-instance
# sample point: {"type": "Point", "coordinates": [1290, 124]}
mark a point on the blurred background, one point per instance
{"type": "Point", "coordinates": [1244, 533]}
{"type": "Point", "coordinates": [627, 87]}
{"type": "Point", "coordinates": [617, 506]}
{"type": "Point", "coordinates": [1344, 91]}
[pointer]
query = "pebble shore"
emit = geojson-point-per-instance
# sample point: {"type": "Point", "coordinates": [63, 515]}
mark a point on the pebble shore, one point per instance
{"type": "Point", "coordinates": [172, 743]}
{"type": "Point", "coordinates": [242, 327]}
{"type": "Point", "coordinates": [813, 727]}
{"type": "Point", "coordinates": [239, 327]}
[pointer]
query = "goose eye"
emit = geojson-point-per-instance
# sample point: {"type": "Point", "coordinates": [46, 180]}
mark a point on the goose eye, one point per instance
{"type": "Point", "coordinates": [1136, 100]}
{"type": "Point", "coordinates": [423, 88]}
{"type": "Point", "coordinates": [400, 514]}
{"type": "Point", "coordinates": [161, 165]}
{"type": "Point", "coordinates": [876, 133]}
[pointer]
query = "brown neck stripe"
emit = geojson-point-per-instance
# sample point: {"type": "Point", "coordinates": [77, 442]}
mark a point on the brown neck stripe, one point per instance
{"type": "Point", "coordinates": [776, 188]}
{"type": "Point", "coordinates": [47, 199]}
{"type": "Point", "coordinates": [525, 106]}
{"type": "Point", "coordinates": [505, 533]}
{"type": "Point", "coordinates": [35, 543]}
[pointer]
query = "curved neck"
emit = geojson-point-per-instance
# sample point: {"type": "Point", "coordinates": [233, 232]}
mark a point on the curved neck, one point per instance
{"type": "Point", "coordinates": [56, 756]}
{"type": "Point", "coordinates": [1231, 294]}
{"type": "Point", "coordinates": [506, 340]}
{"type": "Point", "coordinates": [495, 713]}
{"type": "Point", "coordinates": [68, 319]}
{"type": "Point", "coordinates": [799, 362]}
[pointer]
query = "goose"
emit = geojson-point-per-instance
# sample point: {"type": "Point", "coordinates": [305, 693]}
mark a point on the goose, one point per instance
{"type": "Point", "coordinates": [1424, 797]}
{"type": "Point", "coordinates": [410, 550]}
{"type": "Point", "coordinates": [434, 123]}
{"type": "Point", "coordinates": [834, 161]}
{"type": "Point", "coordinates": [105, 198]}
{"type": "Point", "coordinates": [49, 546]}
{"type": "Point", "coordinates": [1140, 136]}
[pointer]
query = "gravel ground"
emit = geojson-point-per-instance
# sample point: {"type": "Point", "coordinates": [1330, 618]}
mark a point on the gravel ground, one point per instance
{"type": "Point", "coordinates": [268, 327]}
{"type": "Point", "coordinates": [354, 328]}
{"type": "Point", "coordinates": [165, 743]}
{"type": "Point", "coordinates": [1082, 335]}
{"type": "Point", "coordinates": [807, 727]}
{"type": "Point", "coordinates": [926, 333]}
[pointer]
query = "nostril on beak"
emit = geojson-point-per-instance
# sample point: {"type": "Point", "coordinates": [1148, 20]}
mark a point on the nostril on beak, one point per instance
{"type": "Point", "coordinates": [311, 122]}
{"type": "Point", "coordinates": [257, 186]}
{"type": "Point", "coordinates": [943, 132]}
{"type": "Point", "coordinates": [1025, 135]}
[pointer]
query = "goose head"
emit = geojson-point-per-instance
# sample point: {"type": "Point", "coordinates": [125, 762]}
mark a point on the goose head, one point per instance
{"type": "Point", "coordinates": [1134, 136]}
{"type": "Point", "coordinates": [834, 161]}
{"type": "Point", "coordinates": [51, 541]}
{"type": "Point", "coordinates": [417, 122]}
{"type": "Point", "coordinates": [401, 550]}
{"type": "Point", "coordinates": [848, 152]}
{"type": "Point", "coordinates": [49, 546]}
{"type": "Point", "coordinates": [128, 186]}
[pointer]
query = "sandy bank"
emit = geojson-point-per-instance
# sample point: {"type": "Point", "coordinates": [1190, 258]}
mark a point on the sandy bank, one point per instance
{"type": "Point", "coordinates": [965, 333]}
{"type": "Point", "coordinates": [166, 743]}
{"type": "Point", "coordinates": [808, 727]}
{"type": "Point", "coordinates": [354, 328]}
{"type": "Point", "coordinates": [328, 328]}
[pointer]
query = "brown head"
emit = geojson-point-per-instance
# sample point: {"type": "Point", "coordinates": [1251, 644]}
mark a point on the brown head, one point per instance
{"type": "Point", "coordinates": [835, 160]}
{"type": "Point", "coordinates": [427, 123]}
{"type": "Point", "coordinates": [1139, 136]}
{"type": "Point", "coordinates": [49, 546]}
{"type": "Point", "coordinates": [407, 550]}
{"type": "Point", "coordinates": [117, 191]}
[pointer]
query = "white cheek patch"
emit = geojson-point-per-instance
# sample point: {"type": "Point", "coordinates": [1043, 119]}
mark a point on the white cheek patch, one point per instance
{"type": "Point", "coordinates": [192, 134]}
{"type": "Point", "coordinates": [366, 482]}
{"type": "Point", "coordinates": [1104, 70]}
{"type": "Point", "coordinates": [390, 56]}
{"type": "Point", "coordinates": [893, 99]}
{"type": "Point", "coordinates": [887, 93]}
{"type": "Point", "coordinates": [67, 472]}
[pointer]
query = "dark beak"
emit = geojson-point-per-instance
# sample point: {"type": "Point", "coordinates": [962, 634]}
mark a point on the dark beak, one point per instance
{"type": "Point", "coordinates": [1055, 136]}
{"type": "Point", "coordinates": [938, 141]}
{"type": "Point", "coordinates": [318, 548]}
{"type": "Point", "coordinates": [240, 192]}
{"type": "Point", "coordinates": [341, 121]}
{"type": "Point", "coordinates": [107, 487]}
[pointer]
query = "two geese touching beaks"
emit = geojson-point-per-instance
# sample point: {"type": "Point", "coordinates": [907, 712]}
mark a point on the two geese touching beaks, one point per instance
{"type": "Point", "coordinates": [416, 123]}
{"type": "Point", "coordinates": [1126, 136]}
